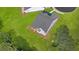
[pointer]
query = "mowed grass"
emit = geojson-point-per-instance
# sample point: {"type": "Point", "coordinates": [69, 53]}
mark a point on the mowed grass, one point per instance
{"type": "Point", "coordinates": [14, 19]}
{"type": "Point", "coordinates": [71, 20]}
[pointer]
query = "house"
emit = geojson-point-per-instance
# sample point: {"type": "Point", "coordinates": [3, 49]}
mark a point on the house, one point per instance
{"type": "Point", "coordinates": [31, 9]}
{"type": "Point", "coordinates": [65, 9]}
{"type": "Point", "coordinates": [44, 22]}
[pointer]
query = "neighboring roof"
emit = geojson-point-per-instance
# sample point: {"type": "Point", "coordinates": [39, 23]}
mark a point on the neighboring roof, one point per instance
{"type": "Point", "coordinates": [32, 9]}
{"type": "Point", "coordinates": [44, 21]}
{"type": "Point", "coordinates": [65, 9]}
{"type": "Point", "coordinates": [25, 8]}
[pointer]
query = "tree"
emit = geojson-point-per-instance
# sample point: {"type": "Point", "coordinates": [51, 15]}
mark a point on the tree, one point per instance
{"type": "Point", "coordinates": [63, 41]}
{"type": "Point", "coordinates": [48, 9]}
{"type": "Point", "coordinates": [11, 40]}
{"type": "Point", "coordinates": [1, 23]}
{"type": "Point", "coordinates": [6, 47]}
{"type": "Point", "coordinates": [7, 38]}
{"type": "Point", "coordinates": [21, 44]}
{"type": "Point", "coordinates": [11, 35]}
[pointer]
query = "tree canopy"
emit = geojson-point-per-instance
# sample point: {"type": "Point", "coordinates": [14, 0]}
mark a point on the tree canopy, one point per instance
{"type": "Point", "coordinates": [21, 44]}
{"type": "Point", "coordinates": [63, 41]}
{"type": "Point", "coordinates": [10, 40]}
{"type": "Point", "coordinates": [1, 23]}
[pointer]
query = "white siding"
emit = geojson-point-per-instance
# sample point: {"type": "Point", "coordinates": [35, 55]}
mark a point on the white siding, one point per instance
{"type": "Point", "coordinates": [33, 9]}
{"type": "Point", "coordinates": [40, 31]}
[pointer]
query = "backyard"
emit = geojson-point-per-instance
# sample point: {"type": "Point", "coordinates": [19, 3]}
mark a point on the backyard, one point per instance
{"type": "Point", "coordinates": [14, 19]}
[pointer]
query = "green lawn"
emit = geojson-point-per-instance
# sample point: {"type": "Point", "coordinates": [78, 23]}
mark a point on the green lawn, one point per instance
{"type": "Point", "coordinates": [13, 19]}
{"type": "Point", "coordinates": [72, 21]}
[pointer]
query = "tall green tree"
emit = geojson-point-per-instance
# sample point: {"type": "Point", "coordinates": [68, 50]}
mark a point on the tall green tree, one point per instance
{"type": "Point", "coordinates": [7, 38]}
{"type": "Point", "coordinates": [6, 47]}
{"type": "Point", "coordinates": [22, 45]}
{"type": "Point", "coordinates": [63, 41]}
{"type": "Point", "coordinates": [11, 36]}
{"type": "Point", "coordinates": [1, 23]}
{"type": "Point", "coordinates": [10, 41]}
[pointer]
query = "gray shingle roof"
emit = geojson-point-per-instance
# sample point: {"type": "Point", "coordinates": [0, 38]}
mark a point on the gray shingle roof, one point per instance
{"type": "Point", "coordinates": [25, 8]}
{"type": "Point", "coordinates": [66, 9]}
{"type": "Point", "coordinates": [44, 21]}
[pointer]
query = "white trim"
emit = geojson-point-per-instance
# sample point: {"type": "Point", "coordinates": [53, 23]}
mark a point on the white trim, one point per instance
{"type": "Point", "coordinates": [52, 25]}
{"type": "Point", "coordinates": [41, 31]}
